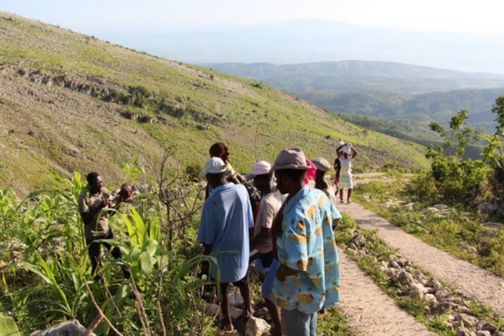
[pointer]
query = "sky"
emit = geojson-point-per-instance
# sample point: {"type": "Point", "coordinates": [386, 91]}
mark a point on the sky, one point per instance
{"type": "Point", "coordinates": [425, 15]}
{"type": "Point", "coordinates": [104, 18]}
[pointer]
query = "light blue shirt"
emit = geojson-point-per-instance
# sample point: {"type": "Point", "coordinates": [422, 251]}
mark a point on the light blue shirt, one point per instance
{"type": "Point", "coordinates": [307, 244]}
{"type": "Point", "coordinates": [225, 222]}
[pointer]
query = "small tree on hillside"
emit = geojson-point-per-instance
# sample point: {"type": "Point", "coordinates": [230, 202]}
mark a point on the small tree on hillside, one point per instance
{"type": "Point", "coordinates": [456, 180]}
{"type": "Point", "coordinates": [493, 151]}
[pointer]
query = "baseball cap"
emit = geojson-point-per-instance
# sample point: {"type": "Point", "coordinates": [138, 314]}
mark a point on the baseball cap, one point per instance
{"type": "Point", "coordinates": [214, 165]}
{"type": "Point", "coordinates": [259, 168]}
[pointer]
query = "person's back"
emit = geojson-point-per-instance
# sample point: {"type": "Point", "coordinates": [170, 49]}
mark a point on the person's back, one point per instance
{"type": "Point", "coordinates": [225, 223]}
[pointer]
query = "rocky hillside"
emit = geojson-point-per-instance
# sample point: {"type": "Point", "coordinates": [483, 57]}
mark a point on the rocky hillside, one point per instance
{"type": "Point", "coordinates": [70, 102]}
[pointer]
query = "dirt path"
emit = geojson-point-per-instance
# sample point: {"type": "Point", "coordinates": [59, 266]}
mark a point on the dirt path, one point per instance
{"type": "Point", "coordinates": [368, 310]}
{"type": "Point", "coordinates": [471, 281]}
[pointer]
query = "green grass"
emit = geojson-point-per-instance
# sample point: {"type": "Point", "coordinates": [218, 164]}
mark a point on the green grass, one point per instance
{"type": "Point", "coordinates": [333, 322]}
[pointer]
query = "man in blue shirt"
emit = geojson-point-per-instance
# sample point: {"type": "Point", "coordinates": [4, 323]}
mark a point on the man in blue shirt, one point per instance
{"type": "Point", "coordinates": [224, 231]}
{"type": "Point", "coordinates": [307, 278]}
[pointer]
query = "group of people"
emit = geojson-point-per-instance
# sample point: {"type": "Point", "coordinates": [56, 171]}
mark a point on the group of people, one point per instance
{"type": "Point", "coordinates": [290, 234]}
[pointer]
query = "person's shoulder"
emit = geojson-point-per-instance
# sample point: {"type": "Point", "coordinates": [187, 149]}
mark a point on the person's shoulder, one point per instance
{"type": "Point", "coordinates": [84, 194]}
{"type": "Point", "coordinates": [316, 192]}
{"type": "Point", "coordinates": [273, 198]}
{"type": "Point", "coordinates": [316, 195]}
{"type": "Point", "coordinates": [240, 187]}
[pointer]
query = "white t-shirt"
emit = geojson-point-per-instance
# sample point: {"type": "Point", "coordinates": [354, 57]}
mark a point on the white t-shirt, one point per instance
{"type": "Point", "coordinates": [346, 165]}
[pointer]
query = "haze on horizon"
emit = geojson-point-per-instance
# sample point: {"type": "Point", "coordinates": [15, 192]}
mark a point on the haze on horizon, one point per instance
{"type": "Point", "coordinates": [459, 35]}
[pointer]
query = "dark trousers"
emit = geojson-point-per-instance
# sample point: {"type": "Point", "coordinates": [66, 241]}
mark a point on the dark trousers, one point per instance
{"type": "Point", "coordinates": [94, 250]}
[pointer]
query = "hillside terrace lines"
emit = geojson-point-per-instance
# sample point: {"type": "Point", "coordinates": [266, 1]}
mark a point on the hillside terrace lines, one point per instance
{"type": "Point", "coordinates": [470, 280]}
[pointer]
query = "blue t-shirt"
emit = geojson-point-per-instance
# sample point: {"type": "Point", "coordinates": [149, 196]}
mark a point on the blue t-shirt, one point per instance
{"type": "Point", "coordinates": [225, 222]}
{"type": "Point", "coordinates": [307, 244]}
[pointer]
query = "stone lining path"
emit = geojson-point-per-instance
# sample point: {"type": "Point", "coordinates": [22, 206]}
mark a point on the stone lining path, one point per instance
{"type": "Point", "coordinates": [470, 280]}
{"type": "Point", "coordinates": [369, 311]}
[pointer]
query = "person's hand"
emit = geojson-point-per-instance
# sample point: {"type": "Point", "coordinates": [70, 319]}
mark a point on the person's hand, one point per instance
{"type": "Point", "coordinates": [280, 275]}
{"type": "Point", "coordinates": [107, 203]}
{"type": "Point", "coordinates": [125, 193]}
{"type": "Point", "coordinates": [205, 270]}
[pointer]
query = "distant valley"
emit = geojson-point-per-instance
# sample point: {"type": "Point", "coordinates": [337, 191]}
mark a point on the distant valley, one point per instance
{"type": "Point", "coordinates": [407, 97]}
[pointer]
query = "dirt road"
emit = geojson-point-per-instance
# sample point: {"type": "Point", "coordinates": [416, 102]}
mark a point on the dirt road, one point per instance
{"type": "Point", "coordinates": [470, 280]}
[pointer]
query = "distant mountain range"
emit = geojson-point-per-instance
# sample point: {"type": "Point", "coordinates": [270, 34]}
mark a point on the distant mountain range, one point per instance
{"type": "Point", "coordinates": [307, 41]}
{"type": "Point", "coordinates": [394, 92]}
{"type": "Point", "coordinates": [356, 76]}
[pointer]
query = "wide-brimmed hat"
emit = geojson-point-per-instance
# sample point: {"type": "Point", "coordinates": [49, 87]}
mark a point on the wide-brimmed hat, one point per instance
{"type": "Point", "coordinates": [259, 168]}
{"type": "Point", "coordinates": [321, 164]}
{"type": "Point", "coordinates": [213, 165]}
{"type": "Point", "coordinates": [292, 158]}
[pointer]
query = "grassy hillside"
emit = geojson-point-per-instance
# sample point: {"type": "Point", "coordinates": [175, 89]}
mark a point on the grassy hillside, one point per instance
{"type": "Point", "coordinates": [70, 102]}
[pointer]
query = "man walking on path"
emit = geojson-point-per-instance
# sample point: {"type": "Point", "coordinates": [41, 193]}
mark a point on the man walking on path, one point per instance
{"type": "Point", "coordinates": [346, 153]}
{"type": "Point", "coordinates": [271, 201]}
{"type": "Point", "coordinates": [224, 230]}
{"type": "Point", "coordinates": [307, 278]}
{"type": "Point", "coordinates": [91, 202]}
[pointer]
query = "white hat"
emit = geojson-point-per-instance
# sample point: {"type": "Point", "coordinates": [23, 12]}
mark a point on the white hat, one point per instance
{"type": "Point", "coordinates": [259, 168]}
{"type": "Point", "coordinates": [214, 165]}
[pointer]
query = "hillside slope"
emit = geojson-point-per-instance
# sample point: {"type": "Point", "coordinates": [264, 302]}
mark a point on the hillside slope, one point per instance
{"type": "Point", "coordinates": [70, 102]}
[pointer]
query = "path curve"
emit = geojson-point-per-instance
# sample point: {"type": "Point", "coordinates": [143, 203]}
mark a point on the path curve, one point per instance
{"type": "Point", "coordinates": [368, 310]}
{"type": "Point", "coordinates": [471, 281]}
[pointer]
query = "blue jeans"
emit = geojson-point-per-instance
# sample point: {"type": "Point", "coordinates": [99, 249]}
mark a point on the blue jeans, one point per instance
{"type": "Point", "coordinates": [296, 323]}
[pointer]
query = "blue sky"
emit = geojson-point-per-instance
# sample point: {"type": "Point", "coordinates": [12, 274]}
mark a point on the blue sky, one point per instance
{"type": "Point", "coordinates": [431, 15]}
{"type": "Point", "coordinates": [148, 25]}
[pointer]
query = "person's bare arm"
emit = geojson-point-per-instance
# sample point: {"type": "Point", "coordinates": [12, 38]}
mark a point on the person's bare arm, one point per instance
{"type": "Point", "coordinates": [264, 234]}
{"type": "Point", "coordinates": [205, 265]}
{"type": "Point", "coordinates": [240, 178]}
{"type": "Point", "coordinates": [354, 152]}
{"type": "Point", "coordinates": [338, 150]}
{"type": "Point", "coordinates": [284, 271]}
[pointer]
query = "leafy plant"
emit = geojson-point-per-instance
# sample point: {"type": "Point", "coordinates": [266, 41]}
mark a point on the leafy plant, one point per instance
{"type": "Point", "coordinates": [8, 326]}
